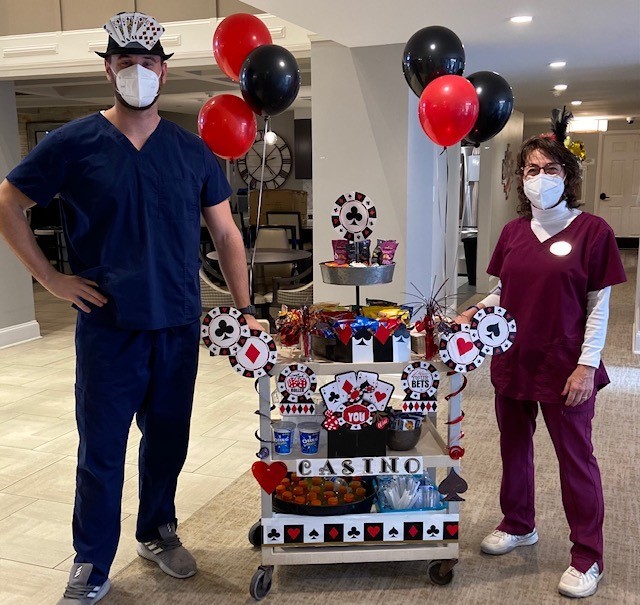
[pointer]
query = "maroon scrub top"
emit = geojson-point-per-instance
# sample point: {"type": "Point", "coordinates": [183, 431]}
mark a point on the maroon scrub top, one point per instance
{"type": "Point", "coordinates": [547, 295]}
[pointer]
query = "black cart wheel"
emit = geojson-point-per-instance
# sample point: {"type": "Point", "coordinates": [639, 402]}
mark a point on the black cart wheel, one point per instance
{"type": "Point", "coordinates": [255, 534]}
{"type": "Point", "coordinates": [436, 576]}
{"type": "Point", "coordinates": [261, 582]}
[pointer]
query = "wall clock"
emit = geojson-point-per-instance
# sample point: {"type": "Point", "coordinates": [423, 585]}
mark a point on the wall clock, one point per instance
{"type": "Point", "coordinates": [277, 166]}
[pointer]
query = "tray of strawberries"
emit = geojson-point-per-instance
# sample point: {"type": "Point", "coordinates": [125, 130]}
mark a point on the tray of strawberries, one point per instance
{"type": "Point", "coordinates": [323, 496]}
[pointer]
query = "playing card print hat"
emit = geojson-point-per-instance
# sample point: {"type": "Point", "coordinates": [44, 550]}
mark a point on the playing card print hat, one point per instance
{"type": "Point", "coordinates": [134, 34]}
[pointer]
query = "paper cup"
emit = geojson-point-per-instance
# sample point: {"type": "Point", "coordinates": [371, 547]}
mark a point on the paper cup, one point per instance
{"type": "Point", "coordinates": [309, 437]}
{"type": "Point", "coordinates": [283, 436]}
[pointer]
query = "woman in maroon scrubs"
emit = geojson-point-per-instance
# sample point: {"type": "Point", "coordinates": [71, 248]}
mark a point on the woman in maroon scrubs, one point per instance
{"type": "Point", "coordinates": [556, 266]}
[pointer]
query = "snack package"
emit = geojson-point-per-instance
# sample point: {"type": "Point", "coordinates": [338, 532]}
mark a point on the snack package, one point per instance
{"type": "Point", "coordinates": [388, 251]}
{"type": "Point", "coordinates": [376, 255]}
{"type": "Point", "coordinates": [359, 252]}
{"type": "Point", "coordinates": [340, 251]}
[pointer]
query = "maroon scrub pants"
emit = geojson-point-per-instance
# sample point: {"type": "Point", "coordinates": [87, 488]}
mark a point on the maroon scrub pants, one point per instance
{"type": "Point", "coordinates": [570, 430]}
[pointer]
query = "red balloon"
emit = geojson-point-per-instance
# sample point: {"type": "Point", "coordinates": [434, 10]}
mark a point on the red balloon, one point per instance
{"type": "Point", "coordinates": [228, 126]}
{"type": "Point", "coordinates": [235, 37]}
{"type": "Point", "coordinates": [448, 109]}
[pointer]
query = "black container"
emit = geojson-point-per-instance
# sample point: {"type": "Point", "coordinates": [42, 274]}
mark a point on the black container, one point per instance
{"type": "Point", "coordinates": [368, 441]}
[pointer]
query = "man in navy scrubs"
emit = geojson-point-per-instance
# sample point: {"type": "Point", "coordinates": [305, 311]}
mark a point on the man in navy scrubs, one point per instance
{"type": "Point", "coordinates": [132, 186]}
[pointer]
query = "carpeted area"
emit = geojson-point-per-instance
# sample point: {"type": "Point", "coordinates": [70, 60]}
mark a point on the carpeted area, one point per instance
{"type": "Point", "coordinates": [217, 534]}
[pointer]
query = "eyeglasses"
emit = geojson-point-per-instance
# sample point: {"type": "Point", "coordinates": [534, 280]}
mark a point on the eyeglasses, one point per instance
{"type": "Point", "coordinates": [531, 170]}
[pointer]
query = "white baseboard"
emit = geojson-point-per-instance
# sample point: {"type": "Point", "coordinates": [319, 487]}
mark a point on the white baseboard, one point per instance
{"type": "Point", "coordinates": [14, 335]}
{"type": "Point", "coordinates": [636, 340]}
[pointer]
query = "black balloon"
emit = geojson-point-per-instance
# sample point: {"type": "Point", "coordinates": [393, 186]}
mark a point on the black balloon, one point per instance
{"type": "Point", "coordinates": [430, 53]}
{"type": "Point", "coordinates": [496, 104]}
{"type": "Point", "coordinates": [269, 79]}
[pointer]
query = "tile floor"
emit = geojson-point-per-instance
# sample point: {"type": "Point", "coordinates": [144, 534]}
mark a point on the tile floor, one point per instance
{"type": "Point", "coordinates": [38, 443]}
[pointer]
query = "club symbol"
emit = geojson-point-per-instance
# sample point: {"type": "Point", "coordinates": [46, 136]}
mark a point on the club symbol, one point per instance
{"type": "Point", "coordinates": [224, 330]}
{"type": "Point", "coordinates": [354, 216]}
{"type": "Point", "coordinates": [333, 396]}
{"type": "Point", "coordinates": [433, 531]}
{"type": "Point", "coordinates": [393, 532]}
{"type": "Point", "coordinates": [353, 532]}
{"type": "Point", "coordinates": [273, 534]}
{"type": "Point", "coordinates": [313, 534]}
{"type": "Point", "coordinates": [494, 329]}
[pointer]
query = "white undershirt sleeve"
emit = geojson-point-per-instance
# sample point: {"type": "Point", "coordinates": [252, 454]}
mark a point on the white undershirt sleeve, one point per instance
{"type": "Point", "coordinates": [595, 332]}
{"type": "Point", "coordinates": [493, 298]}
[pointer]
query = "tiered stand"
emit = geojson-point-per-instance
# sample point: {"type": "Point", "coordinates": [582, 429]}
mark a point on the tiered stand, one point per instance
{"type": "Point", "coordinates": [421, 535]}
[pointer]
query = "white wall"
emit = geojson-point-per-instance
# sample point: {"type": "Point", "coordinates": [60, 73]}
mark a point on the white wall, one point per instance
{"type": "Point", "coordinates": [17, 313]}
{"type": "Point", "coordinates": [494, 211]}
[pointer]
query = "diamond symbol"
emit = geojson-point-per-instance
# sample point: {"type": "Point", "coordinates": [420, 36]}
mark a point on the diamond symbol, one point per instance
{"type": "Point", "coordinates": [333, 532]}
{"type": "Point", "coordinates": [305, 409]}
{"type": "Point", "coordinates": [413, 530]}
{"type": "Point", "coordinates": [252, 353]}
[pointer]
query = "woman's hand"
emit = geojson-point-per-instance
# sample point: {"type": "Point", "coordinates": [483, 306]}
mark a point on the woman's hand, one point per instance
{"type": "Point", "coordinates": [76, 290]}
{"type": "Point", "coordinates": [466, 316]}
{"type": "Point", "coordinates": [579, 386]}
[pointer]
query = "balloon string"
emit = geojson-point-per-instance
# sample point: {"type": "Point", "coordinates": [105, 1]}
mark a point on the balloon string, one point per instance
{"type": "Point", "coordinates": [264, 159]}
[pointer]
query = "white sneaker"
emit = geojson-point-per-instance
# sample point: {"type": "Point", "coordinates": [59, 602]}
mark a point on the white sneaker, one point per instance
{"type": "Point", "coordinates": [500, 542]}
{"type": "Point", "coordinates": [576, 584]}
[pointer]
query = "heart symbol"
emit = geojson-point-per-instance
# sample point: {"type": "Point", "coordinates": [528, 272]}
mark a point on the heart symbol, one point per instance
{"type": "Point", "coordinates": [464, 346]}
{"type": "Point", "coordinates": [379, 396]}
{"type": "Point", "coordinates": [452, 530]}
{"type": "Point", "coordinates": [494, 329]}
{"type": "Point", "coordinates": [294, 532]}
{"type": "Point", "coordinates": [373, 531]}
{"type": "Point", "coordinates": [382, 422]}
{"type": "Point", "coordinates": [269, 475]}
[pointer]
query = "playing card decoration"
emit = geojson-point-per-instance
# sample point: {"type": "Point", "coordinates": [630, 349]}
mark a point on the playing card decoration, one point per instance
{"type": "Point", "coordinates": [221, 330]}
{"type": "Point", "coordinates": [125, 28]}
{"type": "Point", "coordinates": [256, 356]}
{"type": "Point", "coordinates": [457, 350]}
{"type": "Point", "coordinates": [493, 330]}
{"type": "Point", "coordinates": [356, 400]}
{"type": "Point", "coordinates": [269, 475]}
{"type": "Point", "coordinates": [452, 486]}
{"type": "Point", "coordinates": [297, 383]}
{"type": "Point", "coordinates": [353, 216]}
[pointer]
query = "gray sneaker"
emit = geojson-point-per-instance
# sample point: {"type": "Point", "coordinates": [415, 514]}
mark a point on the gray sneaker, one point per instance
{"type": "Point", "coordinates": [168, 552]}
{"type": "Point", "coordinates": [78, 591]}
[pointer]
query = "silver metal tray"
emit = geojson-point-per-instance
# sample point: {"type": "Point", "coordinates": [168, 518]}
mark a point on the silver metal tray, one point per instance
{"type": "Point", "coordinates": [357, 276]}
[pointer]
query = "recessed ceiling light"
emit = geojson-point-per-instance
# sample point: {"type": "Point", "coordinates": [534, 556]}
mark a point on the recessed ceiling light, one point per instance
{"type": "Point", "coordinates": [557, 64]}
{"type": "Point", "coordinates": [560, 87]}
{"type": "Point", "coordinates": [576, 102]}
{"type": "Point", "coordinates": [521, 19]}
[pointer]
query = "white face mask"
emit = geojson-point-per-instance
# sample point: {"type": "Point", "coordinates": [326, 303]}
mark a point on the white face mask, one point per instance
{"type": "Point", "coordinates": [544, 191]}
{"type": "Point", "coordinates": [137, 85]}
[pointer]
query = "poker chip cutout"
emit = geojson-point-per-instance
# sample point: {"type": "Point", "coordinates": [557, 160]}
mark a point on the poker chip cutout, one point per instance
{"type": "Point", "coordinates": [297, 382]}
{"type": "Point", "coordinates": [458, 352]}
{"type": "Point", "coordinates": [221, 330]}
{"type": "Point", "coordinates": [256, 356]}
{"type": "Point", "coordinates": [493, 330]}
{"type": "Point", "coordinates": [354, 216]}
{"type": "Point", "coordinates": [420, 381]}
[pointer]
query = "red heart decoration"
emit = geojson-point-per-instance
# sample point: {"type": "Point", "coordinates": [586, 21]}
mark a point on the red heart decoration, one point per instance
{"type": "Point", "coordinates": [452, 530]}
{"type": "Point", "coordinates": [420, 326]}
{"type": "Point", "coordinates": [373, 531]}
{"type": "Point", "coordinates": [379, 396]}
{"type": "Point", "coordinates": [382, 422]}
{"type": "Point", "coordinates": [269, 475]}
{"type": "Point", "coordinates": [344, 333]}
{"type": "Point", "coordinates": [293, 532]}
{"type": "Point", "coordinates": [464, 346]}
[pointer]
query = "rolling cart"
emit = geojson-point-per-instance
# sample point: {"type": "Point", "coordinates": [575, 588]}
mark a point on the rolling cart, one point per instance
{"type": "Point", "coordinates": [415, 535]}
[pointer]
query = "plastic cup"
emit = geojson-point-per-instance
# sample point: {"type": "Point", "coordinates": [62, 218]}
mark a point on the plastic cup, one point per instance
{"type": "Point", "coordinates": [283, 436]}
{"type": "Point", "coordinates": [309, 437]}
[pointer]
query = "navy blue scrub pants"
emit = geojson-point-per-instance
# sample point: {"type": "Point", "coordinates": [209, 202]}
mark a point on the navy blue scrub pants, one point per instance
{"type": "Point", "coordinates": [119, 374]}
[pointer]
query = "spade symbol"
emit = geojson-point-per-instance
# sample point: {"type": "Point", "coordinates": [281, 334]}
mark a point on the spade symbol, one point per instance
{"type": "Point", "coordinates": [433, 531]}
{"type": "Point", "coordinates": [313, 534]}
{"type": "Point", "coordinates": [453, 485]}
{"type": "Point", "coordinates": [353, 532]}
{"type": "Point", "coordinates": [354, 216]}
{"type": "Point", "coordinates": [224, 330]}
{"type": "Point", "coordinates": [494, 329]}
{"type": "Point", "coordinates": [393, 532]}
{"type": "Point", "coordinates": [273, 534]}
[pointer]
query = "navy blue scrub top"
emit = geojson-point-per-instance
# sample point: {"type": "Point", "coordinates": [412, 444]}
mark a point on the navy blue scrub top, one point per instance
{"type": "Point", "coordinates": [131, 218]}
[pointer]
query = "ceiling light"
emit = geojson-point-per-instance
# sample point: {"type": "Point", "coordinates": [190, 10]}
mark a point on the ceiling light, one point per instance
{"type": "Point", "coordinates": [588, 125]}
{"type": "Point", "coordinates": [557, 64]}
{"type": "Point", "coordinates": [576, 102]}
{"type": "Point", "coordinates": [560, 87]}
{"type": "Point", "coordinates": [521, 19]}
